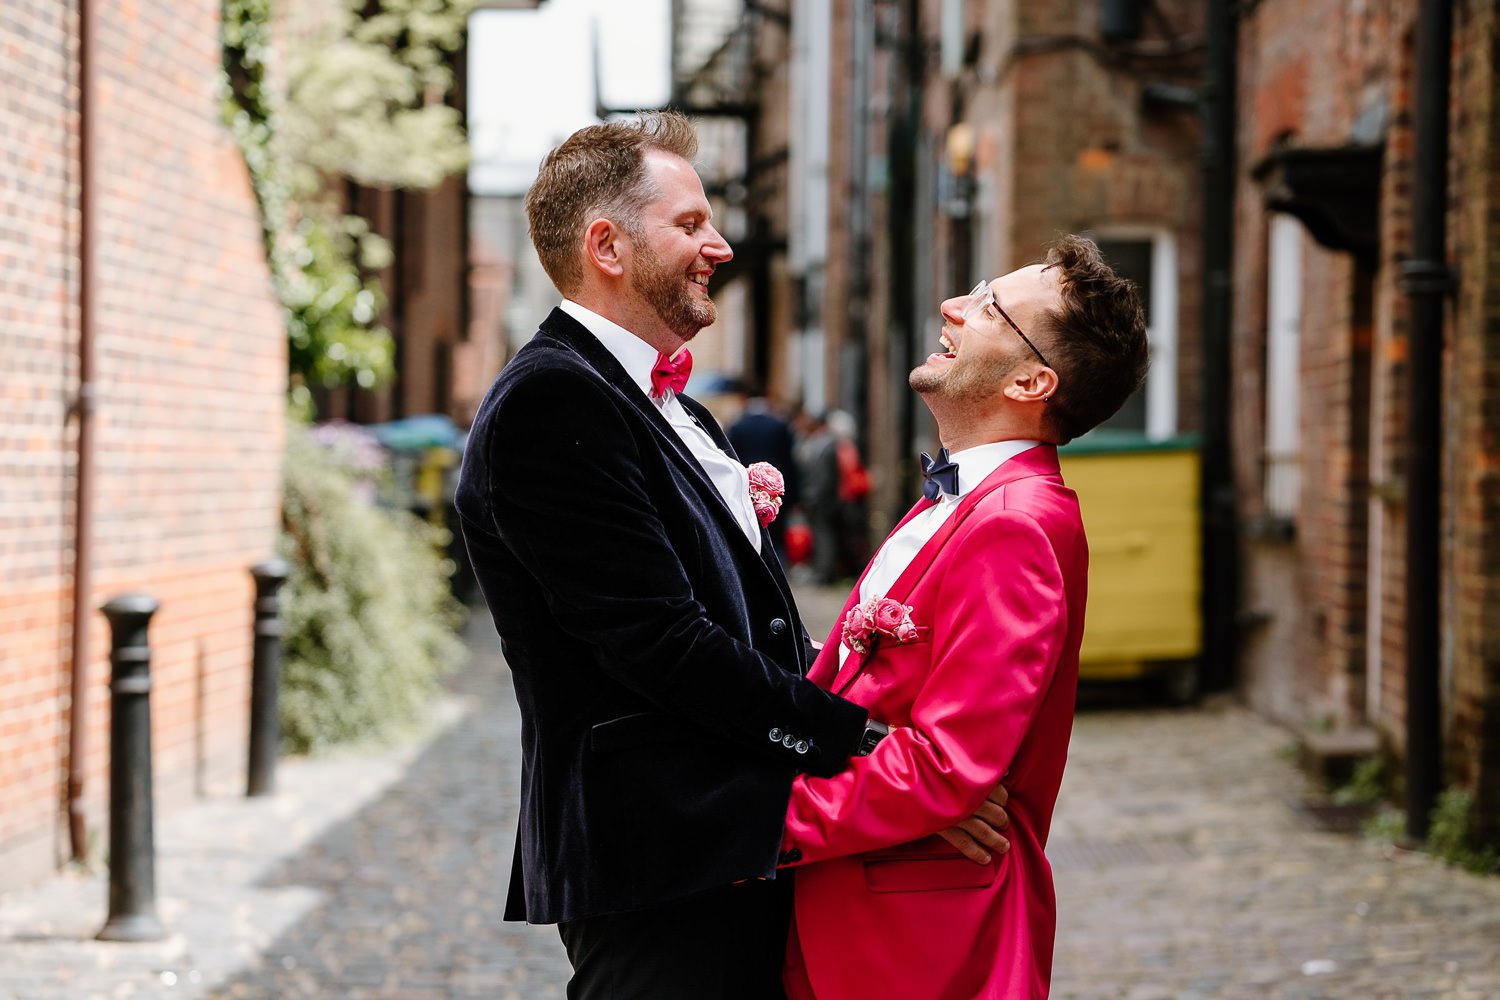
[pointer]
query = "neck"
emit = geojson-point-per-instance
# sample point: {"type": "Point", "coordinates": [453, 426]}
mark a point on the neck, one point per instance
{"type": "Point", "coordinates": [960, 431]}
{"type": "Point", "coordinates": [641, 321]}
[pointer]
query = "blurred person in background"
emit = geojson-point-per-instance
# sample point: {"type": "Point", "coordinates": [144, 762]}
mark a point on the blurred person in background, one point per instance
{"type": "Point", "coordinates": [817, 456]}
{"type": "Point", "coordinates": [835, 485]}
{"type": "Point", "coordinates": [963, 634]}
{"type": "Point", "coordinates": [854, 490]}
{"type": "Point", "coordinates": [761, 434]}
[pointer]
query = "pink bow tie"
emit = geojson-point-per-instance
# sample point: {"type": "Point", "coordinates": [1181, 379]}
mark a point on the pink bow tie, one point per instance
{"type": "Point", "coordinates": [669, 374]}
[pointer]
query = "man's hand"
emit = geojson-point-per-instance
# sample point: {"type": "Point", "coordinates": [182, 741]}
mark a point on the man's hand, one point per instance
{"type": "Point", "coordinates": [978, 835]}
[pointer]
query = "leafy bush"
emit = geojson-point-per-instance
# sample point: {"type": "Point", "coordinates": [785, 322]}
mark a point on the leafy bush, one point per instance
{"type": "Point", "coordinates": [370, 622]}
{"type": "Point", "coordinates": [1449, 832]}
{"type": "Point", "coordinates": [1365, 786]}
{"type": "Point", "coordinates": [1450, 836]}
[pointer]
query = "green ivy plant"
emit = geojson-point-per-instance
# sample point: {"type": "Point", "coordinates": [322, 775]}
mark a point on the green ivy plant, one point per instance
{"type": "Point", "coordinates": [359, 99]}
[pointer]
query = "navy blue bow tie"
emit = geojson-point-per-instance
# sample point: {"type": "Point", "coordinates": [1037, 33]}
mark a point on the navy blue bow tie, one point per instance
{"type": "Point", "coordinates": [940, 476]}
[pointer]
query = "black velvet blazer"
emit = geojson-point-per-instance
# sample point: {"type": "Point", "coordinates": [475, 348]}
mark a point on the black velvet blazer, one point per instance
{"type": "Point", "coordinates": [655, 653]}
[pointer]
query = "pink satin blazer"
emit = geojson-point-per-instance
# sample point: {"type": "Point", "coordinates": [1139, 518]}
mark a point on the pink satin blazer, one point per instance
{"type": "Point", "coordinates": [883, 907]}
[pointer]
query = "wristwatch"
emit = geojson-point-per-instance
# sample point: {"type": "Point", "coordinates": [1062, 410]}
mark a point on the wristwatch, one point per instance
{"type": "Point", "coordinates": [873, 734]}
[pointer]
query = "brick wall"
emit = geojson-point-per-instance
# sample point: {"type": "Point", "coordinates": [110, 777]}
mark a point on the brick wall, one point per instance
{"type": "Point", "coordinates": [1087, 153]}
{"type": "Point", "coordinates": [38, 323]}
{"type": "Point", "coordinates": [1474, 417]}
{"type": "Point", "coordinates": [191, 377]}
{"type": "Point", "coordinates": [1317, 75]}
{"type": "Point", "coordinates": [1387, 708]}
{"type": "Point", "coordinates": [1305, 659]}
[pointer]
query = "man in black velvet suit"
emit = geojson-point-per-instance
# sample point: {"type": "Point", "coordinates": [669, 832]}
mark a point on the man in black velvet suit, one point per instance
{"type": "Point", "coordinates": [657, 654]}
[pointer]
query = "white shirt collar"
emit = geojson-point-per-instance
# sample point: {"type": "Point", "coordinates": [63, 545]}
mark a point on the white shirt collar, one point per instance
{"type": "Point", "coordinates": [975, 464]}
{"type": "Point", "coordinates": [635, 355]}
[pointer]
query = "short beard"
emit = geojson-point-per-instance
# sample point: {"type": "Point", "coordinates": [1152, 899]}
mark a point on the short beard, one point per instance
{"type": "Point", "coordinates": [923, 380]}
{"type": "Point", "coordinates": [663, 291]}
{"type": "Point", "coordinates": [965, 383]}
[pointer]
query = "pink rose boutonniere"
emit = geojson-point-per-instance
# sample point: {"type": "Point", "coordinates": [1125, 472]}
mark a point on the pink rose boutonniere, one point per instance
{"type": "Point", "coordinates": [766, 489]}
{"type": "Point", "coordinates": [876, 617]}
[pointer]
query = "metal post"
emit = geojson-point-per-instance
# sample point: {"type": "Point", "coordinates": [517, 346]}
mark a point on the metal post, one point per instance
{"type": "Point", "coordinates": [265, 677]}
{"type": "Point", "coordinates": [1427, 281]}
{"type": "Point", "coordinates": [1218, 507]}
{"type": "Point", "coordinates": [132, 865]}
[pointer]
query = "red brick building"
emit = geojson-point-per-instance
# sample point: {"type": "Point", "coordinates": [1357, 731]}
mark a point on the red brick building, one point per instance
{"type": "Point", "coordinates": [889, 155]}
{"type": "Point", "coordinates": [188, 403]}
{"type": "Point", "coordinates": [1321, 339]}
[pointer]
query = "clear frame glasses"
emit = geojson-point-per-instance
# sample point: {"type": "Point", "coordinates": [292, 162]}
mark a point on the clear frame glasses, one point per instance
{"type": "Point", "coordinates": [981, 297]}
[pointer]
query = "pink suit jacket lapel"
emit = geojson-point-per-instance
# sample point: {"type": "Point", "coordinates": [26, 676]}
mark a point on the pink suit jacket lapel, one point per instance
{"type": "Point", "coordinates": [1039, 461]}
{"type": "Point", "coordinates": [826, 666]}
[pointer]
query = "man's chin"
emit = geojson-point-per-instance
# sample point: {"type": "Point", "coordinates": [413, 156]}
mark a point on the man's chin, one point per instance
{"type": "Point", "coordinates": [696, 321]}
{"type": "Point", "coordinates": [924, 379]}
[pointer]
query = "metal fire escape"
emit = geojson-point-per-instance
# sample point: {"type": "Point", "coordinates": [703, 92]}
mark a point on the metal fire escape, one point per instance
{"type": "Point", "coordinates": [716, 80]}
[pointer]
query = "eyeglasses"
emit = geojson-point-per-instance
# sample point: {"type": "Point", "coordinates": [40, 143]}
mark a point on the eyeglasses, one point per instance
{"type": "Point", "coordinates": [983, 296]}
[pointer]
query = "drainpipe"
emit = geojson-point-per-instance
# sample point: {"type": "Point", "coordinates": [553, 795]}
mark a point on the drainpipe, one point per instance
{"type": "Point", "coordinates": [906, 79]}
{"type": "Point", "coordinates": [1220, 529]}
{"type": "Point", "coordinates": [854, 368]}
{"type": "Point", "coordinates": [83, 408]}
{"type": "Point", "coordinates": [1427, 280]}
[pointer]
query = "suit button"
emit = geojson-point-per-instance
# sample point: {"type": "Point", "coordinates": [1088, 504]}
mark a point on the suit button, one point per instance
{"type": "Point", "coordinates": [801, 746]}
{"type": "Point", "coordinates": [790, 857]}
{"type": "Point", "coordinates": [778, 626]}
{"type": "Point", "coordinates": [775, 735]}
{"type": "Point", "coordinates": [789, 741]}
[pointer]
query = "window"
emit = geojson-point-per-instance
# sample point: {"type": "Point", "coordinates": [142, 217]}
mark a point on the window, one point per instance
{"type": "Point", "coordinates": [1283, 366]}
{"type": "Point", "coordinates": [1149, 258]}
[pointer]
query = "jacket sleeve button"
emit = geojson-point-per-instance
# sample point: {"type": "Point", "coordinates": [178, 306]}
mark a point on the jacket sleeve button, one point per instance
{"type": "Point", "coordinates": [789, 741]}
{"type": "Point", "coordinates": [801, 746]}
{"type": "Point", "coordinates": [775, 735]}
{"type": "Point", "coordinates": [778, 626]}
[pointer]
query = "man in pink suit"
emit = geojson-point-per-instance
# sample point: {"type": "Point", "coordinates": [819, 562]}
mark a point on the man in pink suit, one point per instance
{"type": "Point", "coordinates": [963, 635]}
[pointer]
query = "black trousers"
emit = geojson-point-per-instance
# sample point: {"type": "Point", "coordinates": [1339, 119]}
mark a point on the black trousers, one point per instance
{"type": "Point", "coordinates": [727, 944]}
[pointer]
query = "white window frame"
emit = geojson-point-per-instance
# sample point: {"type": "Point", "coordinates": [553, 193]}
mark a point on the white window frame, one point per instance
{"type": "Point", "coordinates": [1283, 370]}
{"type": "Point", "coordinates": [1161, 329]}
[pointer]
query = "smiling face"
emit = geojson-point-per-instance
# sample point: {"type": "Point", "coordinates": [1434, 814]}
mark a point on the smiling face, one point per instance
{"type": "Point", "coordinates": [981, 350]}
{"type": "Point", "coordinates": [675, 248]}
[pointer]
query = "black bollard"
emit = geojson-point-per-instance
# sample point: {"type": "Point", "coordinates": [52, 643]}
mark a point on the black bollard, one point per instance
{"type": "Point", "coordinates": [132, 851]}
{"type": "Point", "coordinates": [265, 677]}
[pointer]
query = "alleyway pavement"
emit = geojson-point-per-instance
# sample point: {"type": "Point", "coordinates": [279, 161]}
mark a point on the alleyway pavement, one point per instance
{"type": "Point", "coordinates": [1182, 871]}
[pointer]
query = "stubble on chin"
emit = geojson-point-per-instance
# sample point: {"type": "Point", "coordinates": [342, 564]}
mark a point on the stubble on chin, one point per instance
{"type": "Point", "coordinates": [924, 380]}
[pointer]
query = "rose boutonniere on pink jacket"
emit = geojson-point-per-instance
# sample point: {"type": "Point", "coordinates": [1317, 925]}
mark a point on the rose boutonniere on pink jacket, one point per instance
{"type": "Point", "coordinates": [766, 489]}
{"type": "Point", "coordinates": [878, 616]}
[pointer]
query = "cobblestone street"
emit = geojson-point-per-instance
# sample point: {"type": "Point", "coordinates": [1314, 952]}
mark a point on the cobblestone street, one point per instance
{"type": "Point", "coordinates": [1181, 872]}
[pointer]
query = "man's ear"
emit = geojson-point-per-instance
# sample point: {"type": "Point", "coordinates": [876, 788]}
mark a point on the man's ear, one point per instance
{"type": "Point", "coordinates": [1036, 386]}
{"type": "Point", "coordinates": [602, 247]}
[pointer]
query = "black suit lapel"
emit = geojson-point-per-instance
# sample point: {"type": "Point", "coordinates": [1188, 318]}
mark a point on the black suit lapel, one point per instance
{"type": "Point", "coordinates": [767, 553]}
{"type": "Point", "coordinates": [573, 335]}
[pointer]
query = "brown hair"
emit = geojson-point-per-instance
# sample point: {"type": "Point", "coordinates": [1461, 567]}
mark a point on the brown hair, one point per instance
{"type": "Point", "coordinates": [598, 171]}
{"type": "Point", "coordinates": [1096, 340]}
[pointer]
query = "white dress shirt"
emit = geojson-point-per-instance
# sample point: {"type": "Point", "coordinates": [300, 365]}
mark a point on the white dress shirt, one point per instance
{"type": "Point", "coordinates": [638, 358]}
{"type": "Point", "coordinates": [974, 467]}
